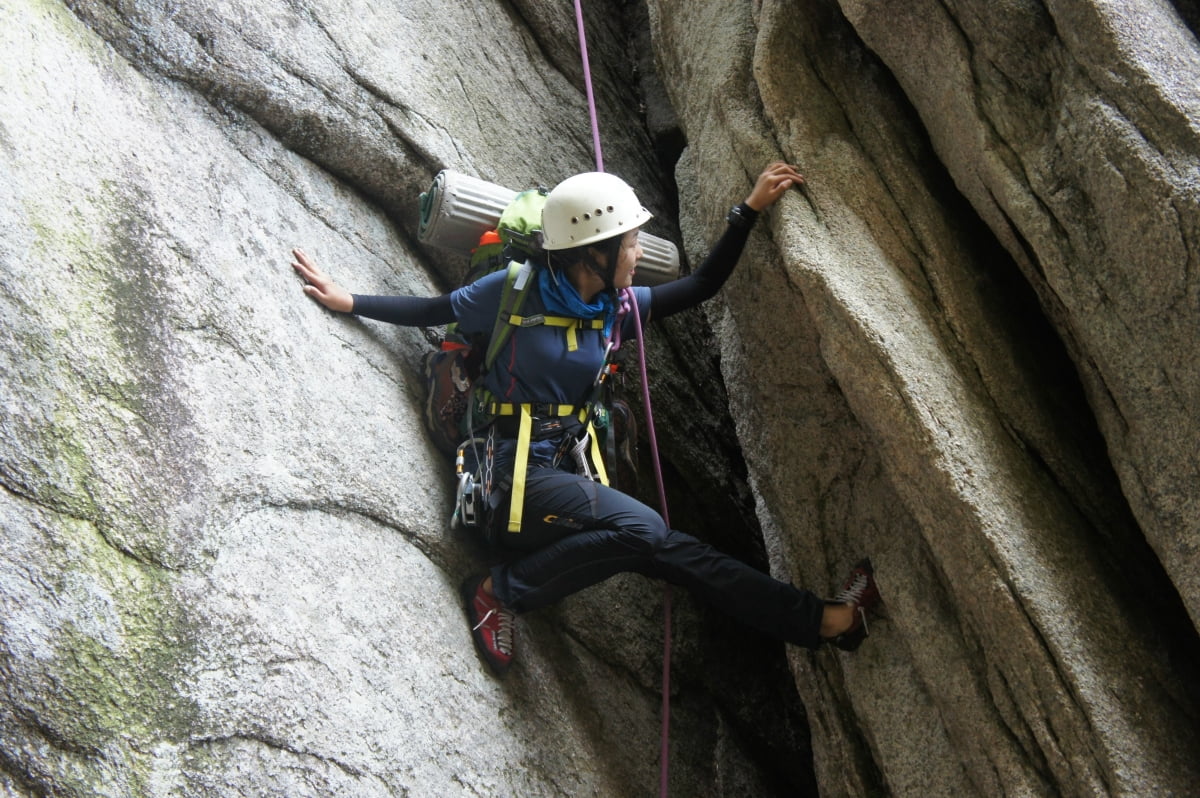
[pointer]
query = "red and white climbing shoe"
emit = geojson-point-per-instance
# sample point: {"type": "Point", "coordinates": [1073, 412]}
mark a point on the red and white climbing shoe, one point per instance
{"type": "Point", "coordinates": [491, 625]}
{"type": "Point", "coordinates": [860, 592]}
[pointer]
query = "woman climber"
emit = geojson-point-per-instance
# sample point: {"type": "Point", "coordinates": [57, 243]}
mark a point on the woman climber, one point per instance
{"type": "Point", "coordinates": [561, 530]}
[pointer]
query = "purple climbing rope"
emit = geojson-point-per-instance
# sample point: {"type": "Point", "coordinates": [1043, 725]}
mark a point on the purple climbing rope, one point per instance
{"type": "Point", "coordinates": [665, 735]}
{"type": "Point", "coordinates": [587, 82]}
{"type": "Point", "coordinates": [628, 297]}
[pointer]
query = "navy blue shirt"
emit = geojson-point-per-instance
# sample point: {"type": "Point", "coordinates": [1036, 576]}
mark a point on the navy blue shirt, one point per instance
{"type": "Point", "coordinates": [535, 364]}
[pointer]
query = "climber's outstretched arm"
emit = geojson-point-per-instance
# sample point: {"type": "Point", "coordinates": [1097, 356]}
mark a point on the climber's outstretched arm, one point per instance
{"type": "Point", "coordinates": [320, 286]}
{"type": "Point", "coordinates": [410, 311]}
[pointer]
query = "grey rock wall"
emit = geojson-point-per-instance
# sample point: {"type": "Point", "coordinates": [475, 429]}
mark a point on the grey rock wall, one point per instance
{"type": "Point", "coordinates": [226, 566]}
{"type": "Point", "coordinates": [967, 350]}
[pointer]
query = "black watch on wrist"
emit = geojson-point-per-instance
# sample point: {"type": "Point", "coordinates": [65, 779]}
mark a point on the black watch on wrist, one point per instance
{"type": "Point", "coordinates": [741, 216]}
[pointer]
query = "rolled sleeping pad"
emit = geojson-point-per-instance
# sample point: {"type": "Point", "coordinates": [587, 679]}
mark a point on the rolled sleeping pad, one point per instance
{"type": "Point", "coordinates": [458, 209]}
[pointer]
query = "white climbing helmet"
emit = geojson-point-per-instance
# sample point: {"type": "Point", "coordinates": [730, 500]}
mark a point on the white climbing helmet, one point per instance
{"type": "Point", "coordinates": [590, 207]}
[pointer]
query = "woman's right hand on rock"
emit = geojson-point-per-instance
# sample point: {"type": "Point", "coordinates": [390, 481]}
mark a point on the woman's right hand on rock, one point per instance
{"type": "Point", "coordinates": [320, 286]}
{"type": "Point", "coordinates": [777, 178]}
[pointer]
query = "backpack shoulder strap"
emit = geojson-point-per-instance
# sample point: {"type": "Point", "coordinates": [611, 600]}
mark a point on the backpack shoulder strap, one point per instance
{"type": "Point", "coordinates": [513, 297]}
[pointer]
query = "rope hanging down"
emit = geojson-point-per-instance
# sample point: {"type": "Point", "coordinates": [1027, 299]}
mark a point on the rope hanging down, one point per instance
{"type": "Point", "coordinates": [665, 734]}
{"type": "Point", "coordinates": [587, 83]}
{"type": "Point", "coordinates": [627, 295]}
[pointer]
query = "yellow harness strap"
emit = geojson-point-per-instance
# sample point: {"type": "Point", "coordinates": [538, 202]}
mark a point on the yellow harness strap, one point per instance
{"type": "Point", "coordinates": [521, 465]}
{"type": "Point", "coordinates": [597, 455]}
{"type": "Point", "coordinates": [570, 325]}
{"type": "Point", "coordinates": [510, 409]}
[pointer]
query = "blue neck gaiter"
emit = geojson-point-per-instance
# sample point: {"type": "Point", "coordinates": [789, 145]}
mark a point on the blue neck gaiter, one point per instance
{"type": "Point", "coordinates": [562, 299]}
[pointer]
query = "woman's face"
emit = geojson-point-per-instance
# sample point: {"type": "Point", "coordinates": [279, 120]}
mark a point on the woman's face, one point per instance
{"type": "Point", "coordinates": [627, 260]}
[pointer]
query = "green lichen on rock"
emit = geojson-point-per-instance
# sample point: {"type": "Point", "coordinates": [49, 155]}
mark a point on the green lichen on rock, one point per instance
{"type": "Point", "coordinates": [113, 450]}
{"type": "Point", "coordinates": [119, 665]}
{"type": "Point", "coordinates": [93, 449]}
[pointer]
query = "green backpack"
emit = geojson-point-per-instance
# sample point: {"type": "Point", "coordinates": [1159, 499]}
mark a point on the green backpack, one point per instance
{"type": "Point", "coordinates": [453, 369]}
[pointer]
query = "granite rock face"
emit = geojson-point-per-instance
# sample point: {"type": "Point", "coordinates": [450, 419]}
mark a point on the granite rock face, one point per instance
{"type": "Point", "coordinates": [986, 374]}
{"type": "Point", "coordinates": [967, 349]}
{"type": "Point", "coordinates": [227, 567]}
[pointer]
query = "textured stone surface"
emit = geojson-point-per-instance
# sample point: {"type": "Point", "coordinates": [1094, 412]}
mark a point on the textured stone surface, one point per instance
{"type": "Point", "coordinates": [968, 349]}
{"type": "Point", "coordinates": [226, 568]}
{"type": "Point", "coordinates": [999, 200]}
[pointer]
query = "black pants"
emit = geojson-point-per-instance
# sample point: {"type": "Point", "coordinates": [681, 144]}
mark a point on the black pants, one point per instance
{"type": "Point", "coordinates": [576, 533]}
